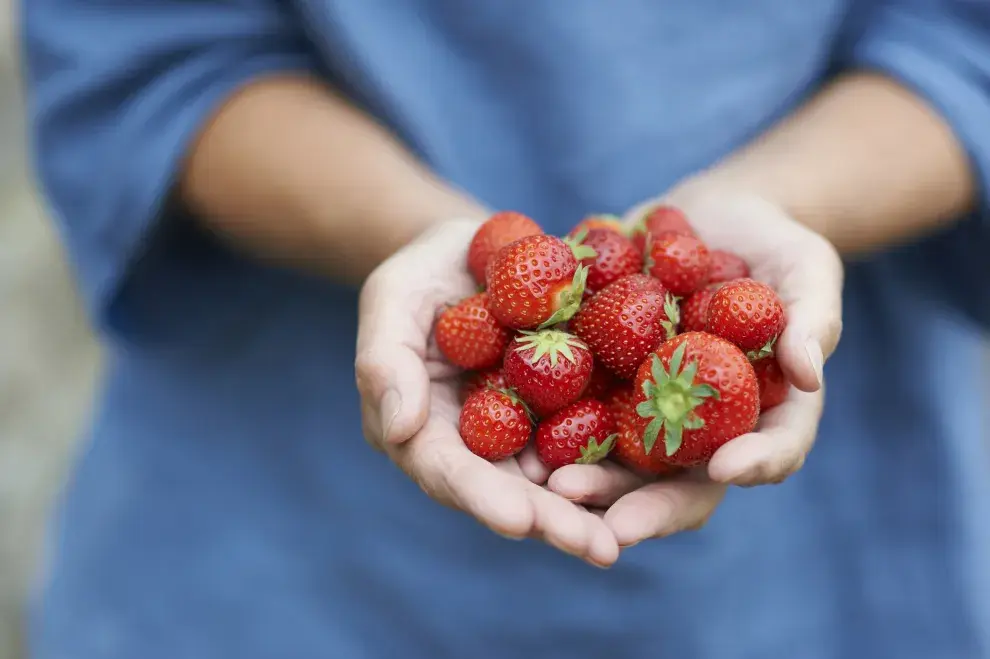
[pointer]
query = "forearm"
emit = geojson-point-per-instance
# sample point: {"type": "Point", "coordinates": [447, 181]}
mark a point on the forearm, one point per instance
{"type": "Point", "coordinates": [865, 163]}
{"type": "Point", "coordinates": [290, 171]}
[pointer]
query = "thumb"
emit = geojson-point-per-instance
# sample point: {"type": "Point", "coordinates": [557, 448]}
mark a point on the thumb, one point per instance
{"type": "Point", "coordinates": [395, 387]}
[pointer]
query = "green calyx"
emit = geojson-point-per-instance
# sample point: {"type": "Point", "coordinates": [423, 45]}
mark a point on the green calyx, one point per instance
{"type": "Point", "coordinates": [648, 260]}
{"type": "Point", "coordinates": [765, 351]}
{"type": "Point", "coordinates": [673, 311]}
{"type": "Point", "coordinates": [595, 452]}
{"type": "Point", "coordinates": [671, 398]}
{"type": "Point", "coordinates": [515, 400]}
{"type": "Point", "coordinates": [569, 299]}
{"type": "Point", "coordinates": [549, 343]}
{"type": "Point", "coordinates": [576, 243]}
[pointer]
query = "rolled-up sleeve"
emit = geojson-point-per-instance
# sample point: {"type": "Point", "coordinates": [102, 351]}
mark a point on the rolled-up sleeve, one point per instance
{"type": "Point", "coordinates": [940, 49]}
{"type": "Point", "coordinates": [118, 90]}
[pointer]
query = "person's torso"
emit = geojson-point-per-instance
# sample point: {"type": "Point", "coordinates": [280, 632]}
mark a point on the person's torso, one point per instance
{"type": "Point", "coordinates": [227, 504]}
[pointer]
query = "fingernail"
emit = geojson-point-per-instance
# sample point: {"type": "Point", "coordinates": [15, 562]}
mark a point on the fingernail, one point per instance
{"type": "Point", "coordinates": [816, 358]}
{"type": "Point", "coordinates": [390, 407]}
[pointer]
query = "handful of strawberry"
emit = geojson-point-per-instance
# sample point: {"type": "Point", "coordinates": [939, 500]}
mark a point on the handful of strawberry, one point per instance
{"type": "Point", "coordinates": [643, 346]}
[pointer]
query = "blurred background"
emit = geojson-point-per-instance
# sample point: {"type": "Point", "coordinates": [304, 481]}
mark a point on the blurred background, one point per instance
{"type": "Point", "coordinates": [48, 359]}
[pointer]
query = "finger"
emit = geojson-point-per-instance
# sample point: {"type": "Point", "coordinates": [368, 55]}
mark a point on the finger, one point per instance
{"type": "Point", "coordinates": [812, 293]}
{"type": "Point", "coordinates": [531, 466]}
{"type": "Point", "coordinates": [572, 529]}
{"type": "Point", "coordinates": [663, 508]}
{"type": "Point", "coordinates": [594, 485]}
{"type": "Point", "coordinates": [394, 383]}
{"type": "Point", "coordinates": [777, 449]}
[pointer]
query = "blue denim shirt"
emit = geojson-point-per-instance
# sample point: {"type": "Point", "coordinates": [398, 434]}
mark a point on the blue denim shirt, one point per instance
{"type": "Point", "coordinates": [225, 504]}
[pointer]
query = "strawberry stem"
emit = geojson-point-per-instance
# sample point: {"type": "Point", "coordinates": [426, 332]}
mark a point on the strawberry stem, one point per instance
{"type": "Point", "coordinates": [595, 452]}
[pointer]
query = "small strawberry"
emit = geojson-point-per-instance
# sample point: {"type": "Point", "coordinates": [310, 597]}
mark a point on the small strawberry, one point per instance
{"type": "Point", "coordinates": [615, 256]}
{"type": "Point", "coordinates": [493, 378]}
{"type": "Point", "coordinates": [606, 222]}
{"type": "Point", "coordinates": [773, 384]}
{"type": "Point", "coordinates": [548, 369]}
{"type": "Point", "coordinates": [626, 321]}
{"type": "Point", "coordinates": [726, 266]}
{"type": "Point", "coordinates": [602, 381]}
{"type": "Point", "coordinates": [495, 233]}
{"type": "Point", "coordinates": [696, 393]}
{"type": "Point", "coordinates": [469, 336]}
{"type": "Point", "coordinates": [660, 220]}
{"type": "Point", "coordinates": [694, 309]}
{"type": "Point", "coordinates": [581, 433]}
{"type": "Point", "coordinates": [536, 282]}
{"type": "Point", "coordinates": [679, 261]}
{"type": "Point", "coordinates": [495, 424]}
{"type": "Point", "coordinates": [629, 442]}
{"type": "Point", "coordinates": [748, 313]}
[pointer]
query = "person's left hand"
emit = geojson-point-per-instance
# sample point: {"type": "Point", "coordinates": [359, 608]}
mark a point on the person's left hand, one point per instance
{"type": "Point", "coordinates": [807, 273]}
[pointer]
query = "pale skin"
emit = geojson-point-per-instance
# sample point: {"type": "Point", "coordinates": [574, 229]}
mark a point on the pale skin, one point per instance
{"type": "Point", "coordinates": [863, 165]}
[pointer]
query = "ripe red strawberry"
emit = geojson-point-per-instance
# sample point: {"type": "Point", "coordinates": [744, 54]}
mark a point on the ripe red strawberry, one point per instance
{"type": "Point", "coordinates": [495, 424]}
{"type": "Point", "coordinates": [615, 256]}
{"type": "Point", "coordinates": [582, 433]}
{"type": "Point", "coordinates": [469, 336]}
{"type": "Point", "coordinates": [547, 369]}
{"type": "Point", "coordinates": [660, 220]}
{"type": "Point", "coordinates": [696, 393]}
{"type": "Point", "coordinates": [726, 266]}
{"type": "Point", "coordinates": [694, 310]}
{"type": "Point", "coordinates": [606, 222]}
{"type": "Point", "coordinates": [602, 381]}
{"type": "Point", "coordinates": [749, 314]}
{"type": "Point", "coordinates": [773, 384]}
{"type": "Point", "coordinates": [629, 441]}
{"type": "Point", "coordinates": [495, 233]}
{"type": "Point", "coordinates": [493, 378]}
{"type": "Point", "coordinates": [536, 282]}
{"type": "Point", "coordinates": [680, 262]}
{"type": "Point", "coordinates": [626, 321]}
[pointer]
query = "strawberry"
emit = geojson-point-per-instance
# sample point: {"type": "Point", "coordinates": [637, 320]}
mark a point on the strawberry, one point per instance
{"type": "Point", "coordinates": [615, 256]}
{"type": "Point", "coordinates": [726, 266]}
{"type": "Point", "coordinates": [626, 321]}
{"type": "Point", "coordinates": [680, 262]}
{"type": "Point", "coordinates": [628, 442]}
{"type": "Point", "coordinates": [581, 433]}
{"type": "Point", "coordinates": [606, 222]}
{"type": "Point", "coordinates": [495, 424]}
{"type": "Point", "coordinates": [696, 393]}
{"type": "Point", "coordinates": [602, 381]}
{"type": "Point", "coordinates": [694, 310]}
{"type": "Point", "coordinates": [536, 282]}
{"type": "Point", "coordinates": [660, 220]}
{"type": "Point", "coordinates": [748, 313]}
{"type": "Point", "coordinates": [493, 378]}
{"type": "Point", "coordinates": [548, 369]}
{"type": "Point", "coordinates": [495, 233]}
{"type": "Point", "coordinates": [773, 383]}
{"type": "Point", "coordinates": [469, 336]}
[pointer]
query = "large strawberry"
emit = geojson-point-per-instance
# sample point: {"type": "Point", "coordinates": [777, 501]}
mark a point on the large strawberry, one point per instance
{"type": "Point", "coordinates": [626, 321]}
{"type": "Point", "coordinates": [680, 262]}
{"type": "Point", "coordinates": [749, 314]}
{"type": "Point", "coordinates": [536, 282]}
{"type": "Point", "coordinates": [602, 381]}
{"type": "Point", "coordinates": [615, 256]}
{"type": "Point", "coordinates": [495, 233]}
{"type": "Point", "coordinates": [660, 220]}
{"type": "Point", "coordinates": [773, 383]}
{"type": "Point", "coordinates": [726, 266]}
{"type": "Point", "coordinates": [495, 424]}
{"type": "Point", "coordinates": [581, 433]}
{"type": "Point", "coordinates": [548, 369]}
{"type": "Point", "coordinates": [694, 309]}
{"type": "Point", "coordinates": [694, 394]}
{"type": "Point", "coordinates": [606, 222]}
{"type": "Point", "coordinates": [493, 378]}
{"type": "Point", "coordinates": [469, 336]}
{"type": "Point", "coordinates": [629, 440]}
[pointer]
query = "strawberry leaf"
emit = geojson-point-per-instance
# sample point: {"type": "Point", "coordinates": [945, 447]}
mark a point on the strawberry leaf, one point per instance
{"type": "Point", "coordinates": [672, 438]}
{"type": "Point", "coordinates": [595, 452]}
{"type": "Point", "coordinates": [652, 433]}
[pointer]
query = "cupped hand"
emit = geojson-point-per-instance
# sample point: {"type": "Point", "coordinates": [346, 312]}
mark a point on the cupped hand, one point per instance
{"type": "Point", "coordinates": [410, 406]}
{"type": "Point", "coordinates": [807, 273]}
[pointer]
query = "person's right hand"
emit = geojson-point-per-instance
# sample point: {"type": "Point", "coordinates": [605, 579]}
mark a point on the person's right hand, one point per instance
{"type": "Point", "coordinates": [411, 411]}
